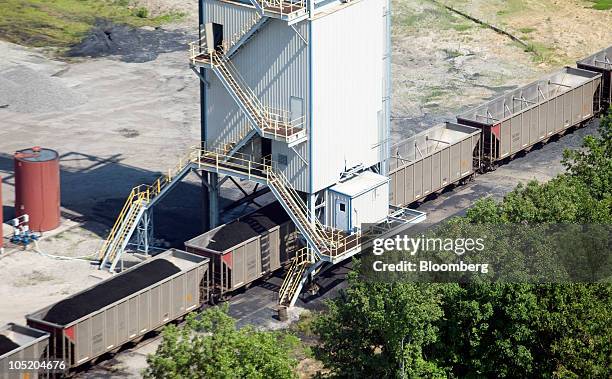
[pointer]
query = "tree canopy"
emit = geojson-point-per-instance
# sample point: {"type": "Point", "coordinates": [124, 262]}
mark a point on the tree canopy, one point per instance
{"type": "Point", "coordinates": [210, 346]}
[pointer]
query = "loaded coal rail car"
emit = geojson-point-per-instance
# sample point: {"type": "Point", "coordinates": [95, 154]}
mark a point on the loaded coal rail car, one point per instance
{"type": "Point", "coordinates": [24, 353]}
{"type": "Point", "coordinates": [431, 161]}
{"type": "Point", "coordinates": [601, 62]}
{"type": "Point", "coordinates": [521, 118]}
{"type": "Point", "coordinates": [124, 307]}
{"type": "Point", "coordinates": [247, 249]}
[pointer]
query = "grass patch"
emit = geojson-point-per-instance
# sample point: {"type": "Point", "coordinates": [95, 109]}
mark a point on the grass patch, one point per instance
{"type": "Point", "coordinates": [304, 326]}
{"type": "Point", "coordinates": [435, 93]}
{"type": "Point", "coordinates": [541, 53]}
{"type": "Point", "coordinates": [408, 19]}
{"type": "Point", "coordinates": [512, 7]}
{"type": "Point", "coordinates": [63, 23]}
{"type": "Point", "coordinates": [602, 5]}
{"type": "Point", "coordinates": [527, 30]}
{"type": "Point", "coordinates": [462, 27]}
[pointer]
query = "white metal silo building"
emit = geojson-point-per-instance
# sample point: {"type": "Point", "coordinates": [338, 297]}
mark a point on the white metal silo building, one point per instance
{"type": "Point", "coordinates": [296, 96]}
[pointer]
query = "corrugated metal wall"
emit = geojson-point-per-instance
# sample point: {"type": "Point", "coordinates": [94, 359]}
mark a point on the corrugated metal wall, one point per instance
{"type": "Point", "coordinates": [275, 65]}
{"type": "Point", "coordinates": [348, 81]}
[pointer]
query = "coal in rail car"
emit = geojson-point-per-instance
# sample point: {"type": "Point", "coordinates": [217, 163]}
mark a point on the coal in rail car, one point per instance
{"type": "Point", "coordinates": [247, 249]}
{"type": "Point", "coordinates": [124, 307]}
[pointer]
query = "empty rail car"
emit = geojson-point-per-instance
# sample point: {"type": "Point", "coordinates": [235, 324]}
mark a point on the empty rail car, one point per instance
{"type": "Point", "coordinates": [516, 121]}
{"type": "Point", "coordinates": [496, 131]}
{"type": "Point", "coordinates": [431, 161]}
{"type": "Point", "coordinates": [601, 62]}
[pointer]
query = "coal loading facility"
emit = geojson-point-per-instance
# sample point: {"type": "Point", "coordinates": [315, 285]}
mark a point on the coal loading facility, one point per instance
{"type": "Point", "coordinates": [290, 108]}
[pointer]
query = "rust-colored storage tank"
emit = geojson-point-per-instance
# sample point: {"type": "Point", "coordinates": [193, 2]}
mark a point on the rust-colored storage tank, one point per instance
{"type": "Point", "coordinates": [37, 187]}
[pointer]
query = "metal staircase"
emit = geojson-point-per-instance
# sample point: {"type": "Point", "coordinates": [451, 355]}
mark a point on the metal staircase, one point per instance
{"type": "Point", "coordinates": [141, 199]}
{"type": "Point", "coordinates": [327, 244]}
{"type": "Point", "coordinates": [268, 122]}
{"type": "Point", "coordinates": [292, 285]}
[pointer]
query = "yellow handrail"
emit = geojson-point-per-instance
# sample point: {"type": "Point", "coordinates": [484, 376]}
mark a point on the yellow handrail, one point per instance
{"type": "Point", "coordinates": [334, 241]}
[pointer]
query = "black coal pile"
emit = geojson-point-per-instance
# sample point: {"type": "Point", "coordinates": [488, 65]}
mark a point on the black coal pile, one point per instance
{"type": "Point", "coordinates": [248, 227]}
{"type": "Point", "coordinates": [6, 345]}
{"type": "Point", "coordinates": [135, 45]}
{"type": "Point", "coordinates": [111, 291]}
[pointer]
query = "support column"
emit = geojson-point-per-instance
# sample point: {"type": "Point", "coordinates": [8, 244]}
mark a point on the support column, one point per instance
{"type": "Point", "coordinates": [312, 204]}
{"type": "Point", "coordinates": [210, 200]}
{"type": "Point", "coordinates": [214, 200]}
{"type": "Point", "coordinates": [144, 232]}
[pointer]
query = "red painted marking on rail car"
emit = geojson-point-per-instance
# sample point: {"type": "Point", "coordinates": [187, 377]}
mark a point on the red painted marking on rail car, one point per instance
{"type": "Point", "coordinates": [227, 258]}
{"type": "Point", "coordinates": [69, 332]}
{"type": "Point", "coordinates": [496, 130]}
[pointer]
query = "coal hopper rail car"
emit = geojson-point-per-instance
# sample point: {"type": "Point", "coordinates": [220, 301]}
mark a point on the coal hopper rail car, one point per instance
{"type": "Point", "coordinates": [518, 120]}
{"type": "Point", "coordinates": [124, 307]}
{"type": "Point", "coordinates": [601, 62]}
{"type": "Point", "coordinates": [24, 353]}
{"type": "Point", "coordinates": [431, 161]}
{"type": "Point", "coordinates": [246, 249]}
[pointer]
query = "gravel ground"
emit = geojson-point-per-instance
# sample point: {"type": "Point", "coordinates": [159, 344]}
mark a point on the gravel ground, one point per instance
{"type": "Point", "coordinates": [25, 90]}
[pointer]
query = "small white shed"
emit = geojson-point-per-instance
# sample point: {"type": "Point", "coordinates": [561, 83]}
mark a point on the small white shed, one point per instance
{"type": "Point", "coordinates": [359, 200]}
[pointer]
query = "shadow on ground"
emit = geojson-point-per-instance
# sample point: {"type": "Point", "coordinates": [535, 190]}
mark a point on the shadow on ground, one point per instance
{"type": "Point", "coordinates": [94, 193]}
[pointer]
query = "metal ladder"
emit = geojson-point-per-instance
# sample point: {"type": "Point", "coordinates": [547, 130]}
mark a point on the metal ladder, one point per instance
{"type": "Point", "coordinates": [140, 199]}
{"type": "Point", "coordinates": [292, 283]}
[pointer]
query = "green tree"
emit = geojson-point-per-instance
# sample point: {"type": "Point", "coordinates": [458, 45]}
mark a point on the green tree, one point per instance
{"type": "Point", "coordinates": [363, 330]}
{"type": "Point", "coordinates": [592, 164]}
{"type": "Point", "coordinates": [210, 346]}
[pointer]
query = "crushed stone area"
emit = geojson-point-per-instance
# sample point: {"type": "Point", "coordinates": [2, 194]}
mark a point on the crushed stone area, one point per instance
{"type": "Point", "coordinates": [25, 90]}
